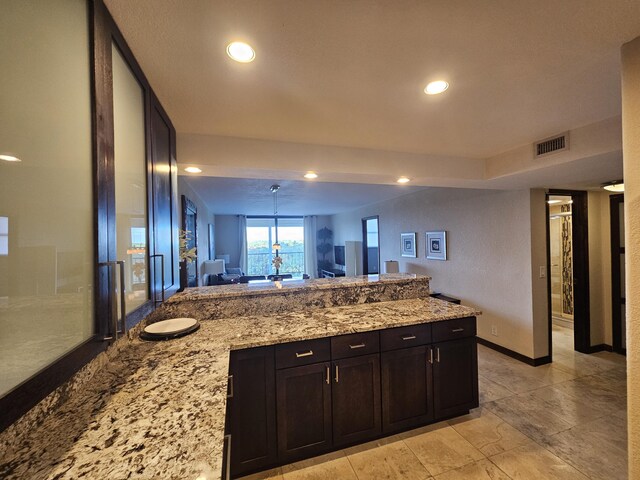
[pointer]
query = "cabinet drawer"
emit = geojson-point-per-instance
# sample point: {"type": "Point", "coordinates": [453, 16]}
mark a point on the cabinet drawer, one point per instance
{"type": "Point", "coordinates": [305, 352]}
{"type": "Point", "coordinates": [355, 344]}
{"type": "Point", "coordinates": [405, 337]}
{"type": "Point", "coordinates": [452, 329]}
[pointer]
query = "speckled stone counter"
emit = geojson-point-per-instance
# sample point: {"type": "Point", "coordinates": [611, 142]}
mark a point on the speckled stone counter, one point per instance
{"type": "Point", "coordinates": [266, 298]}
{"type": "Point", "coordinates": [157, 410]}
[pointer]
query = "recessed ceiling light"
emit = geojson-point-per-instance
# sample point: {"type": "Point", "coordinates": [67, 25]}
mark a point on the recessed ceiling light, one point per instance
{"type": "Point", "coordinates": [9, 158]}
{"type": "Point", "coordinates": [241, 52]}
{"type": "Point", "coordinates": [193, 170]}
{"type": "Point", "coordinates": [551, 202]}
{"type": "Point", "coordinates": [617, 186]}
{"type": "Point", "coordinates": [311, 175]}
{"type": "Point", "coordinates": [436, 87]}
{"type": "Point", "coordinates": [403, 180]}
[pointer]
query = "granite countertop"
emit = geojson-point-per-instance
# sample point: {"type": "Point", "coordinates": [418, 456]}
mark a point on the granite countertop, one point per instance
{"type": "Point", "coordinates": [267, 287]}
{"type": "Point", "coordinates": [158, 410]}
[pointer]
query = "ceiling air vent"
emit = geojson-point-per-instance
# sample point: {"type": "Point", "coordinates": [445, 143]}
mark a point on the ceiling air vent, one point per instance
{"type": "Point", "coordinates": [555, 144]}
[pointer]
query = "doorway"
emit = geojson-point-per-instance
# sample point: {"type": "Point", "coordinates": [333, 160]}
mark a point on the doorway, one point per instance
{"type": "Point", "coordinates": [568, 271]}
{"type": "Point", "coordinates": [370, 246]}
{"type": "Point", "coordinates": [618, 300]}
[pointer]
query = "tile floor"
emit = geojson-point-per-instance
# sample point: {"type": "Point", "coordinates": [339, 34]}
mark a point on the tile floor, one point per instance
{"type": "Point", "coordinates": [566, 420]}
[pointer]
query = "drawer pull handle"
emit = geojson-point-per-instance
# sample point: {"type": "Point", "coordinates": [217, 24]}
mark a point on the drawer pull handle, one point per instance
{"type": "Point", "coordinates": [360, 345]}
{"type": "Point", "coordinates": [230, 382]}
{"type": "Point", "coordinates": [327, 379]}
{"type": "Point", "coordinates": [409, 337]}
{"type": "Point", "coordinates": [438, 354]}
{"type": "Point", "coordinates": [304, 354]}
{"type": "Point", "coordinates": [337, 374]}
{"type": "Point", "coordinates": [456, 330]}
{"type": "Point", "coordinates": [431, 356]}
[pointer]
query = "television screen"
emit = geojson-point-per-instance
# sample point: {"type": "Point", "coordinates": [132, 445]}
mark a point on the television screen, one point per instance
{"type": "Point", "coordinates": [339, 254]}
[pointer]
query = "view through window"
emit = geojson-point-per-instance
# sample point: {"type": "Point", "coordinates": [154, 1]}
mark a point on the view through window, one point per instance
{"type": "Point", "coordinates": [262, 233]}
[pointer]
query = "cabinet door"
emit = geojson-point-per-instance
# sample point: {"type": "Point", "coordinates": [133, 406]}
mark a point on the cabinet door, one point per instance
{"type": "Point", "coordinates": [407, 396]}
{"type": "Point", "coordinates": [455, 377]}
{"type": "Point", "coordinates": [356, 399]}
{"type": "Point", "coordinates": [164, 199]}
{"type": "Point", "coordinates": [252, 409]}
{"type": "Point", "coordinates": [304, 411]}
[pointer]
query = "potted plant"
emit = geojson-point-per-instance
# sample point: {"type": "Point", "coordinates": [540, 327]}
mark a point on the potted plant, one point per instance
{"type": "Point", "coordinates": [187, 255]}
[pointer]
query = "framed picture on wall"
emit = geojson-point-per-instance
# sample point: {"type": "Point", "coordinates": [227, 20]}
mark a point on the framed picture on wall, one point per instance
{"type": "Point", "coordinates": [436, 246]}
{"type": "Point", "coordinates": [408, 244]}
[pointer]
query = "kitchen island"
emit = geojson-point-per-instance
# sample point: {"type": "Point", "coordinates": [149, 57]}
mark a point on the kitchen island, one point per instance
{"type": "Point", "coordinates": [158, 409]}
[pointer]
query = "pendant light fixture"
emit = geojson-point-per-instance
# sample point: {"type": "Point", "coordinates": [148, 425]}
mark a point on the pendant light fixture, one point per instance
{"type": "Point", "coordinates": [277, 260]}
{"type": "Point", "coordinates": [616, 186]}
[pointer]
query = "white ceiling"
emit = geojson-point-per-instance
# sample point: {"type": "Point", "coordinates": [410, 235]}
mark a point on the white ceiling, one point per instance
{"type": "Point", "coordinates": [229, 196]}
{"type": "Point", "coordinates": [351, 73]}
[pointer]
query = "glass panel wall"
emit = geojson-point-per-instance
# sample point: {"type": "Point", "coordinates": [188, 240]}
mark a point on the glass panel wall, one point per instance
{"type": "Point", "coordinates": [130, 180]}
{"type": "Point", "coordinates": [46, 199]}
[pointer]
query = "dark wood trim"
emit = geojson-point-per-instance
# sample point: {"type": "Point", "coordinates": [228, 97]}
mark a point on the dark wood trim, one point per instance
{"type": "Point", "coordinates": [617, 298]}
{"type": "Point", "coordinates": [29, 393]}
{"type": "Point", "coordinates": [580, 245]}
{"type": "Point", "coordinates": [601, 347]}
{"type": "Point", "coordinates": [549, 298]}
{"type": "Point", "coordinates": [534, 362]}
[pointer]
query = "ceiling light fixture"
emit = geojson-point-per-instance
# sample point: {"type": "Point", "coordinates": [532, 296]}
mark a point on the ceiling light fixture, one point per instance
{"type": "Point", "coordinates": [616, 186]}
{"type": "Point", "coordinates": [241, 52]}
{"type": "Point", "coordinates": [193, 170]}
{"type": "Point", "coordinates": [436, 87]}
{"type": "Point", "coordinates": [311, 175]}
{"type": "Point", "coordinates": [9, 158]}
{"type": "Point", "coordinates": [403, 180]}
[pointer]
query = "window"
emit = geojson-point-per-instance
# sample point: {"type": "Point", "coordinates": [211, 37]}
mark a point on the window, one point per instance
{"type": "Point", "coordinates": [263, 232]}
{"type": "Point", "coordinates": [4, 236]}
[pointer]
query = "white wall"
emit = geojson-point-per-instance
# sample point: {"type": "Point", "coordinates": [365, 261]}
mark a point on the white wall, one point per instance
{"type": "Point", "coordinates": [205, 217]}
{"type": "Point", "coordinates": [227, 238]}
{"type": "Point", "coordinates": [631, 151]}
{"type": "Point", "coordinates": [491, 245]}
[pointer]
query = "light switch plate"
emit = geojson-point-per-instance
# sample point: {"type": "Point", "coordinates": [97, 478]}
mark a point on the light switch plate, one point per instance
{"type": "Point", "coordinates": [543, 272]}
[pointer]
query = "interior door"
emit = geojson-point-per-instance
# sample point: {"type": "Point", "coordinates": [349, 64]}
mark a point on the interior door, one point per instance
{"type": "Point", "coordinates": [370, 246]}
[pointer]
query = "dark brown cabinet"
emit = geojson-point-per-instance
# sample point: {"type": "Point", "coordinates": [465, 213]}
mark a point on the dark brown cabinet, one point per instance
{"type": "Point", "coordinates": [252, 409]}
{"type": "Point", "coordinates": [407, 392]}
{"type": "Point", "coordinates": [304, 411]}
{"type": "Point", "coordinates": [301, 399]}
{"type": "Point", "coordinates": [455, 377]}
{"type": "Point", "coordinates": [356, 399]}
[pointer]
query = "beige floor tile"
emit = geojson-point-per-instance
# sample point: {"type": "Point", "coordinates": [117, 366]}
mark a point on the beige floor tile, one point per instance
{"type": "Point", "coordinates": [574, 411]}
{"type": "Point", "coordinates": [490, 390]}
{"type": "Point", "coordinates": [325, 467]}
{"type": "Point", "coordinates": [488, 432]}
{"type": "Point", "coordinates": [481, 470]}
{"type": "Point", "coordinates": [386, 459]}
{"type": "Point", "coordinates": [274, 474]}
{"type": "Point", "coordinates": [533, 462]}
{"type": "Point", "coordinates": [534, 419]}
{"type": "Point", "coordinates": [442, 450]}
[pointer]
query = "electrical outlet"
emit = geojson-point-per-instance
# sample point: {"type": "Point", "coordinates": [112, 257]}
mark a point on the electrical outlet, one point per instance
{"type": "Point", "coordinates": [494, 330]}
